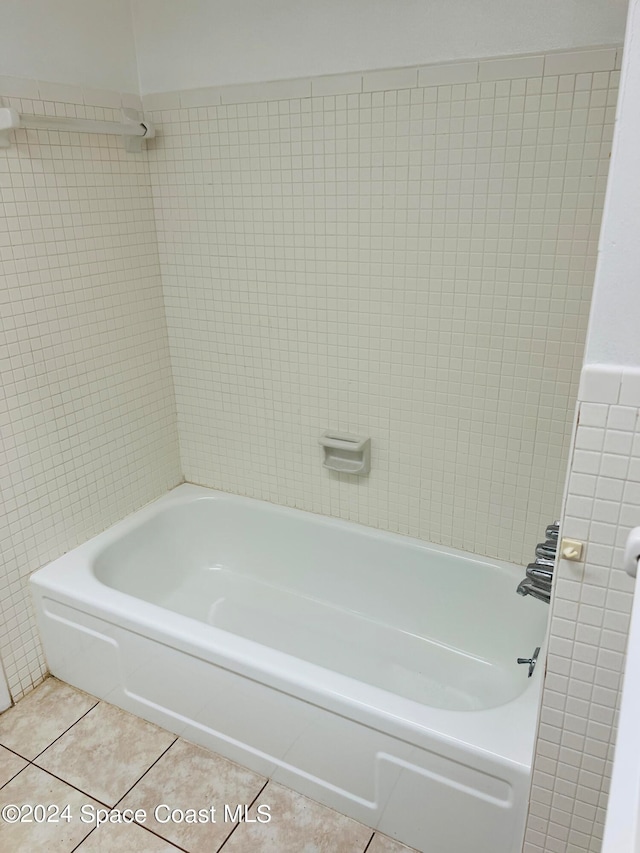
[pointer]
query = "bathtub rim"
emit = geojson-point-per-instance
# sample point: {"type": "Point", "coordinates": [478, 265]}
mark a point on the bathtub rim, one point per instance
{"type": "Point", "coordinates": [504, 734]}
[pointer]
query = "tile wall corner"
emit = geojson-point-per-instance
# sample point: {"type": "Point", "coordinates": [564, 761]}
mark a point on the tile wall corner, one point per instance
{"type": "Point", "coordinates": [589, 619]}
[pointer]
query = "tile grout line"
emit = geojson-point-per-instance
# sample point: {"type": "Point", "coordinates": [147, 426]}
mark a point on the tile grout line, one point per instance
{"type": "Point", "coordinates": [15, 774]}
{"type": "Point", "coordinates": [71, 785]}
{"type": "Point", "coordinates": [240, 822]}
{"type": "Point", "coordinates": [91, 831]}
{"type": "Point", "coordinates": [75, 787]}
{"type": "Point", "coordinates": [373, 835]}
{"type": "Point", "coordinates": [17, 754]}
{"type": "Point", "coordinates": [32, 760]}
{"type": "Point", "coordinates": [141, 826]}
{"type": "Point", "coordinates": [162, 838]}
{"type": "Point", "coordinates": [153, 764]}
{"type": "Point", "coordinates": [101, 802]}
{"type": "Point", "coordinates": [24, 758]}
{"type": "Point", "coordinates": [134, 822]}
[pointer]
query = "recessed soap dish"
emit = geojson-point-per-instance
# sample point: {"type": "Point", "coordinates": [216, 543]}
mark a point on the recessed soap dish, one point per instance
{"type": "Point", "coordinates": [348, 454]}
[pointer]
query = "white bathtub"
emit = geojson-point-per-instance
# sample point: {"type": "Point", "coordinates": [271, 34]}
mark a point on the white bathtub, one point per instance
{"type": "Point", "coordinates": [372, 672]}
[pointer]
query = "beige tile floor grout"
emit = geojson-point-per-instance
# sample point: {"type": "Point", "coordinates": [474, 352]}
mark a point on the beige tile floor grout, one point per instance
{"type": "Point", "coordinates": [60, 746]}
{"type": "Point", "coordinates": [237, 825]}
{"type": "Point", "coordinates": [66, 730]}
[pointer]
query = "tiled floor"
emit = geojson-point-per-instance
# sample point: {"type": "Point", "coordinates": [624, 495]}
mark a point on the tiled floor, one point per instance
{"type": "Point", "coordinates": [61, 747]}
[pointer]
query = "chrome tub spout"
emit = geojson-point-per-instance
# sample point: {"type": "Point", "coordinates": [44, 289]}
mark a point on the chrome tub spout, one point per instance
{"type": "Point", "coordinates": [528, 587]}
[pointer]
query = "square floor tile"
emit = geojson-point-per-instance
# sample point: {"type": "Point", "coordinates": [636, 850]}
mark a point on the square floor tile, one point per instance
{"type": "Point", "coordinates": [106, 752]}
{"type": "Point", "coordinates": [297, 825]}
{"type": "Point", "coordinates": [10, 764]}
{"type": "Point", "coordinates": [384, 844]}
{"type": "Point", "coordinates": [42, 716]}
{"type": "Point", "coordinates": [34, 786]}
{"type": "Point", "coordinates": [118, 838]}
{"type": "Point", "coordinates": [188, 777]}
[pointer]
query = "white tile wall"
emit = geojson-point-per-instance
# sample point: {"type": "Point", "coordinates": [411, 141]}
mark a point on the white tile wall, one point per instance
{"type": "Point", "coordinates": [415, 265]}
{"type": "Point", "coordinates": [589, 625]}
{"type": "Point", "coordinates": [443, 75]}
{"type": "Point", "coordinates": [512, 68]}
{"type": "Point", "coordinates": [576, 61]}
{"type": "Point", "coordinates": [87, 412]}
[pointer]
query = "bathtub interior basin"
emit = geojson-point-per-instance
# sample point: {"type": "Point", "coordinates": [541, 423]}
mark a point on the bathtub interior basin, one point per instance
{"type": "Point", "coordinates": [372, 672]}
{"type": "Point", "coordinates": [425, 623]}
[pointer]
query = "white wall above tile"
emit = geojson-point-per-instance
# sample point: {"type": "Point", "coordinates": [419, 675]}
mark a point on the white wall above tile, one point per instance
{"type": "Point", "coordinates": [70, 42]}
{"type": "Point", "coordinates": [192, 44]}
{"type": "Point", "coordinates": [613, 328]}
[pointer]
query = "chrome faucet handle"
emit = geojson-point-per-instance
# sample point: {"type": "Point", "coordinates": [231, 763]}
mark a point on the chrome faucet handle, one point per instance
{"type": "Point", "coordinates": [552, 531]}
{"type": "Point", "coordinates": [541, 575]}
{"type": "Point", "coordinates": [531, 661]}
{"type": "Point", "coordinates": [547, 549]}
{"type": "Point", "coordinates": [544, 561]}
